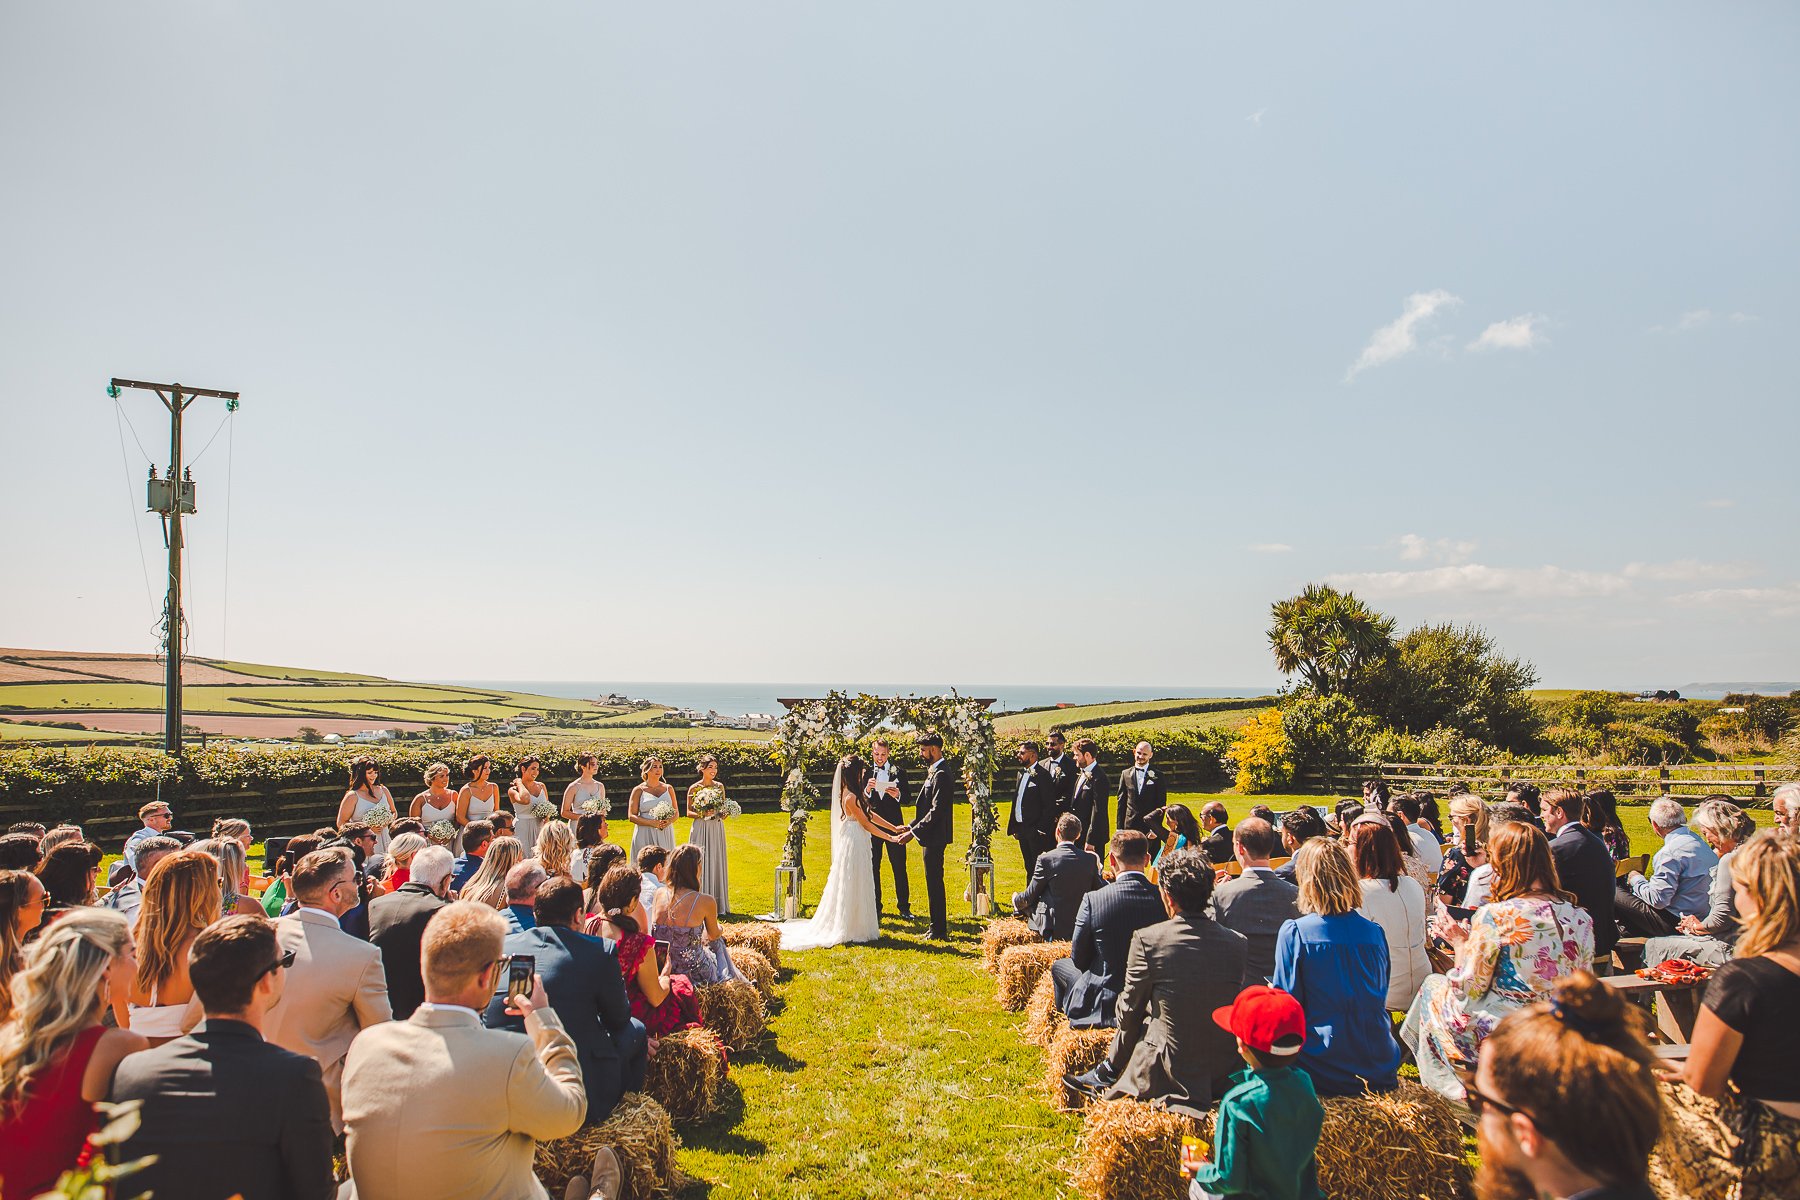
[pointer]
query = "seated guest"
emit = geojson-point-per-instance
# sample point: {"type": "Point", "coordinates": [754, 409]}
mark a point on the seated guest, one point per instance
{"type": "Point", "coordinates": [279, 900]}
{"type": "Point", "coordinates": [181, 899]}
{"type": "Point", "coordinates": [1680, 880]}
{"type": "Point", "coordinates": [1258, 902]}
{"type": "Point", "coordinates": [1470, 813]}
{"type": "Point", "coordinates": [653, 866]}
{"type": "Point", "coordinates": [22, 900]}
{"type": "Point", "coordinates": [1266, 1136]}
{"type": "Point", "coordinates": [1334, 961]}
{"type": "Point", "coordinates": [397, 926]}
{"type": "Point", "coordinates": [400, 854]}
{"type": "Point", "coordinates": [488, 884]}
{"type": "Point", "coordinates": [521, 893]}
{"type": "Point", "coordinates": [1178, 972]}
{"type": "Point", "coordinates": [1515, 947]}
{"type": "Point", "coordinates": [128, 898]}
{"type": "Point", "coordinates": [158, 818]}
{"type": "Point", "coordinates": [1707, 940]}
{"type": "Point", "coordinates": [600, 860]}
{"type": "Point", "coordinates": [1215, 829]}
{"type": "Point", "coordinates": [688, 920]}
{"type": "Point", "coordinates": [1603, 819]}
{"type": "Point", "coordinates": [69, 874]}
{"type": "Point", "coordinates": [1527, 796]}
{"type": "Point", "coordinates": [663, 1003]}
{"type": "Point", "coordinates": [1745, 1056]}
{"type": "Point", "coordinates": [503, 825]}
{"type": "Point", "coordinates": [1785, 803]}
{"type": "Point", "coordinates": [1584, 867]}
{"type": "Point", "coordinates": [1061, 878]}
{"type": "Point", "coordinates": [19, 852]}
{"type": "Point", "coordinates": [476, 836]}
{"type": "Point", "coordinates": [1481, 879]}
{"type": "Point", "coordinates": [225, 1113]}
{"type": "Point", "coordinates": [590, 835]}
{"type": "Point", "coordinates": [1179, 830]}
{"type": "Point", "coordinates": [1394, 901]}
{"type": "Point", "coordinates": [437, 1106]}
{"type": "Point", "coordinates": [1087, 982]}
{"type": "Point", "coordinates": [1565, 1101]}
{"type": "Point", "coordinates": [1298, 828]}
{"type": "Point", "coordinates": [586, 990]}
{"type": "Point", "coordinates": [555, 849]}
{"type": "Point", "coordinates": [337, 984]}
{"type": "Point", "coordinates": [1425, 845]}
{"type": "Point", "coordinates": [56, 1058]}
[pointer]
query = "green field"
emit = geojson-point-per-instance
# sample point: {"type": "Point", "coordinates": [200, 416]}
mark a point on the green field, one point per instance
{"type": "Point", "coordinates": [1075, 716]}
{"type": "Point", "coordinates": [14, 731]}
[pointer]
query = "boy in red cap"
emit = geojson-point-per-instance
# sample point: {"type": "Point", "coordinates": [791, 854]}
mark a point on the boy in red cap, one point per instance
{"type": "Point", "coordinates": [1267, 1130]}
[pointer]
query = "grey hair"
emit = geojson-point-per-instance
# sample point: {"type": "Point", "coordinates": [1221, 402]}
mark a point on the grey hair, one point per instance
{"type": "Point", "coordinates": [1718, 819]}
{"type": "Point", "coordinates": [1789, 794]}
{"type": "Point", "coordinates": [1666, 813]}
{"type": "Point", "coordinates": [522, 881]}
{"type": "Point", "coordinates": [432, 865]}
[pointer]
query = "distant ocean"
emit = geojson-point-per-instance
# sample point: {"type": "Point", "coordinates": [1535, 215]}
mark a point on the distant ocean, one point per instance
{"type": "Point", "coordinates": [736, 699]}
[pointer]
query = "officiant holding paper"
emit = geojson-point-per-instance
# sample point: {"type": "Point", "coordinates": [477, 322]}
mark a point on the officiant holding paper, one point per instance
{"type": "Point", "coordinates": [887, 785]}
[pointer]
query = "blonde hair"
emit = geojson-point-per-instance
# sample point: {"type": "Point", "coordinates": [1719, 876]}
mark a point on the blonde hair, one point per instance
{"type": "Point", "coordinates": [57, 996]}
{"type": "Point", "coordinates": [230, 828]}
{"type": "Point", "coordinates": [488, 884]}
{"type": "Point", "coordinates": [1328, 883]}
{"type": "Point", "coordinates": [401, 850]}
{"type": "Point", "coordinates": [436, 769]}
{"type": "Point", "coordinates": [234, 868]}
{"type": "Point", "coordinates": [181, 897]}
{"type": "Point", "coordinates": [460, 939]}
{"type": "Point", "coordinates": [1475, 809]}
{"type": "Point", "coordinates": [644, 767]}
{"type": "Point", "coordinates": [555, 847]}
{"type": "Point", "coordinates": [1768, 867]}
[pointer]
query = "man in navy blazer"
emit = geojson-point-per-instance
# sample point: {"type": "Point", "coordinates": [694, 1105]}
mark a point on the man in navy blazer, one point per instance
{"type": "Point", "coordinates": [1060, 880]}
{"type": "Point", "coordinates": [1583, 863]}
{"type": "Point", "coordinates": [1088, 982]}
{"type": "Point", "coordinates": [586, 991]}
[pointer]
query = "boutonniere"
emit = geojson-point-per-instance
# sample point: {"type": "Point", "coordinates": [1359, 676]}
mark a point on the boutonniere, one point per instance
{"type": "Point", "coordinates": [1149, 776]}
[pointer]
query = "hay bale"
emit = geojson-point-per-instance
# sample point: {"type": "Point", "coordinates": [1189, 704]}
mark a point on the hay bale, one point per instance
{"type": "Point", "coordinates": [1072, 1052]}
{"type": "Point", "coordinates": [638, 1130]}
{"type": "Point", "coordinates": [1043, 1020]}
{"type": "Point", "coordinates": [734, 1011]}
{"type": "Point", "coordinates": [686, 1073]}
{"type": "Point", "coordinates": [760, 936]}
{"type": "Point", "coordinates": [1130, 1151]}
{"type": "Point", "coordinates": [1020, 969]}
{"type": "Point", "coordinates": [1007, 931]}
{"type": "Point", "coordinates": [1394, 1145]}
{"type": "Point", "coordinates": [752, 964]}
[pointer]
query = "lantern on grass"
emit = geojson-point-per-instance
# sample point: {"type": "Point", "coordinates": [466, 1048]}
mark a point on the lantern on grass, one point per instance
{"type": "Point", "coordinates": [981, 886]}
{"type": "Point", "coordinates": [787, 892]}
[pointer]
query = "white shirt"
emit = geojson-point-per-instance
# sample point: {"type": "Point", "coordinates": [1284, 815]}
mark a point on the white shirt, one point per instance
{"type": "Point", "coordinates": [428, 1006]}
{"type": "Point", "coordinates": [329, 916]}
{"type": "Point", "coordinates": [1426, 848]}
{"type": "Point", "coordinates": [1019, 804]}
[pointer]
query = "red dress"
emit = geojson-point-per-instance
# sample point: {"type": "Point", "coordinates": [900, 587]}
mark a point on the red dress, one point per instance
{"type": "Point", "coordinates": [45, 1135]}
{"type": "Point", "coordinates": [681, 1010]}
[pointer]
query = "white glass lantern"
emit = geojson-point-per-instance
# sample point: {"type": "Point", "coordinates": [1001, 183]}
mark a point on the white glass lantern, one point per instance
{"type": "Point", "coordinates": [787, 892]}
{"type": "Point", "coordinates": [981, 886]}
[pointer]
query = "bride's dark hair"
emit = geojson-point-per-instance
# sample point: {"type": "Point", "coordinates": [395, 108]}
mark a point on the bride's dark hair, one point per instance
{"type": "Point", "coordinates": [853, 773]}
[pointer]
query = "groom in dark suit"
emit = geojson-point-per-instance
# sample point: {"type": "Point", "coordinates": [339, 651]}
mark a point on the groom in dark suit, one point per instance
{"type": "Point", "coordinates": [886, 786]}
{"type": "Point", "coordinates": [933, 829]}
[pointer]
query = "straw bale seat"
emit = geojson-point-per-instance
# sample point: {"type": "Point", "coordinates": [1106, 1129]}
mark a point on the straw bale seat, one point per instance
{"type": "Point", "coordinates": [1020, 969]}
{"type": "Point", "coordinates": [1007, 931]}
{"type": "Point", "coordinates": [642, 1135]}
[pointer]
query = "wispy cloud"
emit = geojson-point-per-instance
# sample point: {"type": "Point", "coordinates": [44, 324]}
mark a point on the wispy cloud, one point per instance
{"type": "Point", "coordinates": [1782, 600]}
{"type": "Point", "coordinates": [1414, 548]}
{"type": "Point", "coordinates": [1688, 570]}
{"type": "Point", "coordinates": [1476, 579]}
{"type": "Point", "coordinates": [1270, 548]}
{"type": "Point", "coordinates": [1700, 318]}
{"type": "Point", "coordinates": [1523, 332]}
{"type": "Point", "coordinates": [1256, 117]}
{"type": "Point", "coordinates": [1400, 337]}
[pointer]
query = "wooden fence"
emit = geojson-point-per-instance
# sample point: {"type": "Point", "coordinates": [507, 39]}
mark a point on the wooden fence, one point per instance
{"type": "Point", "coordinates": [1687, 782]}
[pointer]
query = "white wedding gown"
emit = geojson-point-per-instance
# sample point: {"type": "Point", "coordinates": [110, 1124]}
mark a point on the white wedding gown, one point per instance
{"type": "Point", "coordinates": [847, 911]}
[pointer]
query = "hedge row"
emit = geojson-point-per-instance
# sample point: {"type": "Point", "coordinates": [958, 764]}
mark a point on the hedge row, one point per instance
{"type": "Point", "coordinates": [1182, 708]}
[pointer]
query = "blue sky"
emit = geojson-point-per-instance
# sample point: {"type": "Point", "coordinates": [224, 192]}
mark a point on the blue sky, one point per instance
{"type": "Point", "coordinates": [1042, 343]}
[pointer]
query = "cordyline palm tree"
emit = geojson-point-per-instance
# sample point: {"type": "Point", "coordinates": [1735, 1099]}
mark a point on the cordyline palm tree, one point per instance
{"type": "Point", "coordinates": [1327, 637]}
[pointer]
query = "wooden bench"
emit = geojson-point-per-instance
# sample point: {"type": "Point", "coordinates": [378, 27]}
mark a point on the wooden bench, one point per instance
{"type": "Point", "coordinates": [1671, 1024]}
{"type": "Point", "coordinates": [1235, 868]}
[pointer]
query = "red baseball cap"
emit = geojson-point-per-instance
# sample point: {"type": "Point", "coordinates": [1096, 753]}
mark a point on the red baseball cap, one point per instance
{"type": "Point", "coordinates": [1266, 1019]}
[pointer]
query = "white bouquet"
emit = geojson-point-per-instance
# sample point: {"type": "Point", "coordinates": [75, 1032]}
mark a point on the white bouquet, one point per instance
{"type": "Point", "coordinates": [662, 810]}
{"type": "Point", "coordinates": [708, 802]}
{"type": "Point", "coordinates": [543, 810]}
{"type": "Point", "coordinates": [442, 832]}
{"type": "Point", "coordinates": [598, 806]}
{"type": "Point", "coordinates": [379, 817]}
{"type": "Point", "coordinates": [731, 808]}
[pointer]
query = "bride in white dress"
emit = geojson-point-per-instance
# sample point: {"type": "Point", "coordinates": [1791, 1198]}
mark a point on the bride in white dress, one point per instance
{"type": "Point", "coordinates": [847, 910]}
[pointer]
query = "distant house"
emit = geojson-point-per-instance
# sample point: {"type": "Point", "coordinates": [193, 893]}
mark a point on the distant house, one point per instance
{"type": "Point", "coordinates": [373, 735]}
{"type": "Point", "coordinates": [332, 739]}
{"type": "Point", "coordinates": [523, 719]}
{"type": "Point", "coordinates": [759, 721]}
{"type": "Point", "coordinates": [466, 729]}
{"type": "Point", "coordinates": [614, 700]}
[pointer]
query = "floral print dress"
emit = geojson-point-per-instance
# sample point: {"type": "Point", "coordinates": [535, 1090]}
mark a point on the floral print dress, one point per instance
{"type": "Point", "coordinates": [1515, 950]}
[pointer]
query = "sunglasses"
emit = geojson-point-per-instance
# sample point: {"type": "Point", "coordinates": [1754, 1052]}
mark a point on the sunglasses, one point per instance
{"type": "Point", "coordinates": [1479, 1100]}
{"type": "Point", "coordinates": [280, 964]}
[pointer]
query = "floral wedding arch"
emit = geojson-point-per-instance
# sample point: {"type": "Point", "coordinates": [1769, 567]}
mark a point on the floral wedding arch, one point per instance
{"type": "Point", "coordinates": [831, 727]}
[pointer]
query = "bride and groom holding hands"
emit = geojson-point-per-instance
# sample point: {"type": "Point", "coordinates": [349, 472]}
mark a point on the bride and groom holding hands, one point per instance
{"type": "Point", "coordinates": [865, 812]}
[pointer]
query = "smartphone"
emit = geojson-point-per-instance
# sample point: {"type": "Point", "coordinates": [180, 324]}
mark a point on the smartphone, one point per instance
{"type": "Point", "coordinates": [1465, 915]}
{"type": "Point", "coordinates": [1468, 840]}
{"type": "Point", "coordinates": [520, 969]}
{"type": "Point", "coordinates": [662, 955]}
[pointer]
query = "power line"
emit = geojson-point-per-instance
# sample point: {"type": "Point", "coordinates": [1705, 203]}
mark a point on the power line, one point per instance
{"type": "Point", "coordinates": [137, 530]}
{"type": "Point", "coordinates": [225, 603]}
{"type": "Point", "coordinates": [195, 461]}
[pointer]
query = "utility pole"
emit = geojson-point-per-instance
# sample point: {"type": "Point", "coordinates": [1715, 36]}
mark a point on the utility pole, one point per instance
{"type": "Point", "coordinates": [173, 498]}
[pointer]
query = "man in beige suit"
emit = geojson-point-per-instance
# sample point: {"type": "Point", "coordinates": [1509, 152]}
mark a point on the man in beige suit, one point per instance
{"type": "Point", "coordinates": [337, 984]}
{"type": "Point", "coordinates": [440, 1107]}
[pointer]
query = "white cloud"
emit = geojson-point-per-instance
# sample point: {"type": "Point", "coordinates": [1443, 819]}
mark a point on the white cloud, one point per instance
{"type": "Point", "coordinates": [1522, 332]}
{"type": "Point", "coordinates": [1414, 548]}
{"type": "Point", "coordinates": [1477, 579]}
{"type": "Point", "coordinates": [1271, 548]}
{"type": "Point", "coordinates": [1780, 601]}
{"type": "Point", "coordinates": [1400, 338]}
{"type": "Point", "coordinates": [1686, 570]}
{"type": "Point", "coordinates": [1256, 117]}
{"type": "Point", "coordinates": [1700, 318]}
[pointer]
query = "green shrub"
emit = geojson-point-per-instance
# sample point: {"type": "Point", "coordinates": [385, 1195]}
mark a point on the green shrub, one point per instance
{"type": "Point", "coordinates": [1327, 731]}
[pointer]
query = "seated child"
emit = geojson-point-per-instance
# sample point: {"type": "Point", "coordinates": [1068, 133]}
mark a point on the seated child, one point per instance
{"type": "Point", "coordinates": [1267, 1129]}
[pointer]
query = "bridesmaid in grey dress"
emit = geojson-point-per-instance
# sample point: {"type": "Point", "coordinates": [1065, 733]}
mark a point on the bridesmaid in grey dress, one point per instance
{"type": "Point", "coordinates": [708, 832]}
{"type": "Point", "coordinates": [645, 797]}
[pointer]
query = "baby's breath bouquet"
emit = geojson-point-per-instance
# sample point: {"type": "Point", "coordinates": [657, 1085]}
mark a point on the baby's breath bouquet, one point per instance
{"type": "Point", "coordinates": [379, 817]}
{"type": "Point", "coordinates": [442, 832]}
{"type": "Point", "coordinates": [598, 806]}
{"type": "Point", "coordinates": [662, 810]}
{"type": "Point", "coordinates": [543, 810]}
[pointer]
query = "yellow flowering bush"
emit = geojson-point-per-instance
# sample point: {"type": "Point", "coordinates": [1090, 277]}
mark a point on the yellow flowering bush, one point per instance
{"type": "Point", "coordinates": [1263, 754]}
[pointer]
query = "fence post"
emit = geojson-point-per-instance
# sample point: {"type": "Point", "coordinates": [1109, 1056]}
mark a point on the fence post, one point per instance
{"type": "Point", "coordinates": [1662, 775]}
{"type": "Point", "coordinates": [1758, 771]}
{"type": "Point", "coordinates": [1581, 779]}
